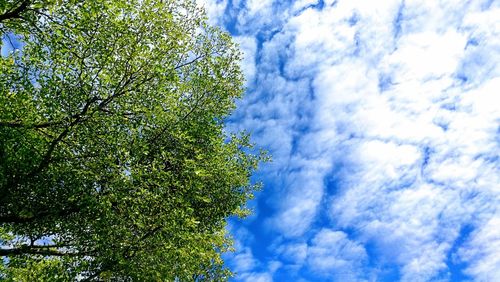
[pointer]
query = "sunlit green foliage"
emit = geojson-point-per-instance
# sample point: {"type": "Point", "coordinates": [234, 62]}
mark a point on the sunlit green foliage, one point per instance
{"type": "Point", "coordinates": [114, 164]}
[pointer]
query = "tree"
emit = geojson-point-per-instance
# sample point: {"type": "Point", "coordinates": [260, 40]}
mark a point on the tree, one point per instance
{"type": "Point", "coordinates": [114, 163]}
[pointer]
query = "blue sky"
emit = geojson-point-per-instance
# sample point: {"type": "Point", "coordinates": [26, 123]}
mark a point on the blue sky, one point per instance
{"type": "Point", "coordinates": [383, 121]}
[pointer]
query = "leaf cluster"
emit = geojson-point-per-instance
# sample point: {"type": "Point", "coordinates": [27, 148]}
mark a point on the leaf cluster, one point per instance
{"type": "Point", "coordinates": [114, 164]}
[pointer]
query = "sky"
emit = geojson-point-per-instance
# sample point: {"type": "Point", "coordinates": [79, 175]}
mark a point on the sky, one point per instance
{"type": "Point", "coordinates": [383, 121]}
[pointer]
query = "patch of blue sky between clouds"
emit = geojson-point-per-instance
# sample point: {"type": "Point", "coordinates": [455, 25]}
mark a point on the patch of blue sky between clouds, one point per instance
{"type": "Point", "coordinates": [383, 120]}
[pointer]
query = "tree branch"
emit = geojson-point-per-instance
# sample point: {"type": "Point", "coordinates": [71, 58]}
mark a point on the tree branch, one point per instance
{"type": "Point", "coordinates": [27, 250]}
{"type": "Point", "coordinates": [48, 155]}
{"type": "Point", "coordinates": [20, 219]}
{"type": "Point", "coordinates": [15, 13]}
{"type": "Point", "coordinates": [16, 124]}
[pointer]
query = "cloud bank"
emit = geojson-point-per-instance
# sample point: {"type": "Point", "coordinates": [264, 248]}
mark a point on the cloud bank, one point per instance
{"type": "Point", "coordinates": [383, 120]}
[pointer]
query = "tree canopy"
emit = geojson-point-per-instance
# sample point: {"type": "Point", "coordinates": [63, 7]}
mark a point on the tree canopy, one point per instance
{"type": "Point", "coordinates": [114, 161]}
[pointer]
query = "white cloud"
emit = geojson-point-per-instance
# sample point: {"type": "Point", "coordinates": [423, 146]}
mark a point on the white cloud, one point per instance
{"type": "Point", "coordinates": [261, 276]}
{"type": "Point", "coordinates": [426, 55]}
{"type": "Point", "coordinates": [303, 195]}
{"type": "Point", "coordinates": [257, 277]}
{"type": "Point", "coordinates": [404, 96]}
{"type": "Point", "coordinates": [423, 147]}
{"type": "Point", "coordinates": [214, 9]}
{"type": "Point", "coordinates": [482, 251]}
{"type": "Point", "coordinates": [248, 45]}
{"type": "Point", "coordinates": [247, 268]}
{"type": "Point", "coordinates": [244, 261]}
{"type": "Point", "coordinates": [295, 253]}
{"type": "Point", "coordinates": [332, 254]}
{"type": "Point", "coordinates": [258, 6]}
{"type": "Point", "coordinates": [302, 4]}
{"type": "Point", "coordinates": [255, 15]}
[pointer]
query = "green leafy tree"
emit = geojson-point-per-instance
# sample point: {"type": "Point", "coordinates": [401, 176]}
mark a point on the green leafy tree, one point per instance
{"type": "Point", "coordinates": [114, 164]}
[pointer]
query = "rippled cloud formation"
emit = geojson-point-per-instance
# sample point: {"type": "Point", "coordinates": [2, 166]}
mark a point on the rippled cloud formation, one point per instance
{"type": "Point", "coordinates": [383, 120]}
